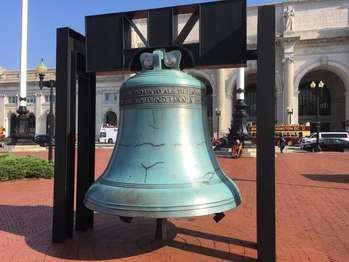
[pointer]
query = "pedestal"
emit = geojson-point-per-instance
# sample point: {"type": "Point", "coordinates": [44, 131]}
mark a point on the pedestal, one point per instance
{"type": "Point", "coordinates": [21, 134]}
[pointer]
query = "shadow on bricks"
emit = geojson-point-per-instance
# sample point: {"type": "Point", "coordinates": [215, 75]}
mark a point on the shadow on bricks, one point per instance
{"type": "Point", "coordinates": [110, 238]}
{"type": "Point", "coordinates": [340, 178]}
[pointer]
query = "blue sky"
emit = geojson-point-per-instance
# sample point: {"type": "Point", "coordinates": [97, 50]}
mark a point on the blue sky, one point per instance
{"type": "Point", "coordinates": [47, 15]}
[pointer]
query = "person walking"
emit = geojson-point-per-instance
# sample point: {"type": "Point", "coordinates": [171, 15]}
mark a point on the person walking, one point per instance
{"type": "Point", "coordinates": [282, 143]}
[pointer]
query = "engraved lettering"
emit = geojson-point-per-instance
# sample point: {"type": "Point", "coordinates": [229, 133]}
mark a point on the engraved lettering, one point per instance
{"type": "Point", "coordinates": [162, 95]}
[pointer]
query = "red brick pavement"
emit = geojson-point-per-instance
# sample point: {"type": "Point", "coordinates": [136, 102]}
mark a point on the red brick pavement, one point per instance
{"type": "Point", "coordinates": [312, 220]}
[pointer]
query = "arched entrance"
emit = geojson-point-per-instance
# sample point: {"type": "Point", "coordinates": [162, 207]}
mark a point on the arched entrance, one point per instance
{"type": "Point", "coordinates": [48, 124]}
{"type": "Point", "coordinates": [13, 118]}
{"type": "Point", "coordinates": [110, 119]}
{"type": "Point", "coordinates": [31, 125]}
{"type": "Point", "coordinates": [250, 100]}
{"type": "Point", "coordinates": [331, 101]}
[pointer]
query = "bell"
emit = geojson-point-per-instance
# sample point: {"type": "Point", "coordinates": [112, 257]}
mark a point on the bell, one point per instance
{"type": "Point", "coordinates": [163, 164]}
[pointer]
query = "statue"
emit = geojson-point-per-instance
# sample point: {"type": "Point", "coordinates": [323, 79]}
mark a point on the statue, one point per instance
{"type": "Point", "coordinates": [289, 15]}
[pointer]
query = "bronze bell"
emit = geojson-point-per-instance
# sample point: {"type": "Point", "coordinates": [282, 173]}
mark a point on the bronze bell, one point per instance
{"type": "Point", "coordinates": [163, 165]}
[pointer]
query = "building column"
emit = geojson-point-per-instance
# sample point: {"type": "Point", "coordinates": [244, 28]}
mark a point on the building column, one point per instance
{"type": "Point", "coordinates": [7, 119]}
{"type": "Point", "coordinates": [2, 111]}
{"type": "Point", "coordinates": [40, 124]}
{"type": "Point", "coordinates": [289, 91]}
{"type": "Point", "coordinates": [99, 113]}
{"type": "Point", "coordinates": [224, 125]}
{"type": "Point", "coordinates": [290, 95]}
{"type": "Point", "coordinates": [347, 110]}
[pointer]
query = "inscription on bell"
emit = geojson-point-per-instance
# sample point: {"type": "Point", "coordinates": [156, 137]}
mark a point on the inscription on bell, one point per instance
{"type": "Point", "coordinates": [162, 95]}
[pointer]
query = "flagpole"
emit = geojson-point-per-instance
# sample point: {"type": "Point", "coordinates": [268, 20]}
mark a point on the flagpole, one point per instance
{"type": "Point", "coordinates": [24, 45]}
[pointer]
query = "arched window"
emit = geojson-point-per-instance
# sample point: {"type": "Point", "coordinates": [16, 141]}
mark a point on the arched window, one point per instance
{"type": "Point", "coordinates": [307, 100]}
{"type": "Point", "coordinates": [250, 99]}
{"type": "Point", "coordinates": [110, 119]}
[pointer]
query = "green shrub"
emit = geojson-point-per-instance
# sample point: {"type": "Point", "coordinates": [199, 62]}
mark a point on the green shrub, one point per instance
{"type": "Point", "coordinates": [17, 167]}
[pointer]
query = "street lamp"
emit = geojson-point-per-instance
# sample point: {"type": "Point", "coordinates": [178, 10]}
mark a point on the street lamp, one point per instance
{"type": "Point", "coordinates": [218, 114]}
{"type": "Point", "coordinates": [317, 87]}
{"type": "Point", "coordinates": [290, 113]}
{"type": "Point", "coordinates": [41, 70]}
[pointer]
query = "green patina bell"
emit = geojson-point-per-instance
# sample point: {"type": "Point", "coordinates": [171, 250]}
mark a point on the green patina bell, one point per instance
{"type": "Point", "coordinates": [163, 164]}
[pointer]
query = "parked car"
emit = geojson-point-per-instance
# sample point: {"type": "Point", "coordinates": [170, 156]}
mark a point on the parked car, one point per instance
{"type": "Point", "coordinates": [42, 140]}
{"type": "Point", "coordinates": [312, 138]}
{"type": "Point", "coordinates": [328, 144]}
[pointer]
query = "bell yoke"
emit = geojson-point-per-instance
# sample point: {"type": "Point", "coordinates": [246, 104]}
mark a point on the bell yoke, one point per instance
{"type": "Point", "coordinates": [163, 164]}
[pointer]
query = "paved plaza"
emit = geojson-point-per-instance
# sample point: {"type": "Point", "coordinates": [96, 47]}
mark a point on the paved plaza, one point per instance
{"type": "Point", "coordinates": [312, 219]}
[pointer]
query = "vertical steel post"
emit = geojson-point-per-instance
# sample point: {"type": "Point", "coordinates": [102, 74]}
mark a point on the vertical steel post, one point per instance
{"type": "Point", "coordinates": [265, 134]}
{"type": "Point", "coordinates": [62, 157]}
{"type": "Point", "coordinates": [50, 131]}
{"type": "Point", "coordinates": [70, 64]}
{"type": "Point", "coordinates": [86, 147]}
{"type": "Point", "coordinates": [71, 144]}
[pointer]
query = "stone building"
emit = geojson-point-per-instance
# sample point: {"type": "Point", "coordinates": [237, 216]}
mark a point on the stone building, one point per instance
{"type": "Point", "coordinates": [312, 45]}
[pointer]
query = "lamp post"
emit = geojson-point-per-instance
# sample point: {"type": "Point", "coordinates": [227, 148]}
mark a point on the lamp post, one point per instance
{"type": "Point", "coordinates": [41, 71]}
{"type": "Point", "coordinates": [290, 113]}
{"type": "Point", "coordinates": [218, 114]}
{"type": "Point", "coordinates": [317, 87]}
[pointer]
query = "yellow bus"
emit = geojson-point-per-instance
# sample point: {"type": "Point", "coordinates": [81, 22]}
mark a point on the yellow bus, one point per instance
{"type": "Point", "coordinates": [292, 133]}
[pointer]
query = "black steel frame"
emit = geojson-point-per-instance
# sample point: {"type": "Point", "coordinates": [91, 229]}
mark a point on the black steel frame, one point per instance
{"type": "Point", "coordinates": [71, 68]}
{"type": "Point", "coordinates": [217, 46]}
{"type": "Point", "coordinates": [265, 134]}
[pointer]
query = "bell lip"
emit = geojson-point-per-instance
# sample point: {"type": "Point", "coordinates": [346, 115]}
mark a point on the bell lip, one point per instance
{"type": "Point", "coordinates": [188, 211]}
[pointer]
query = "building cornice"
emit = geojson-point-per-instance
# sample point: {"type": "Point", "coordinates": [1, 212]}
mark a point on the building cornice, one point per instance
{"type": "Point", "coordinates": [288, 39]}
{"type": "Point", "coordinates": [13, 76]}
{"type": "Point", "coordinates": [315, 36]}
{"type": "Point", "coordinates": [323, 41]}
{"type": "Point", "coordinates": [111, 78]}
{"type": "Point", "coordinates": [324, 33]}
{"type": "Point", "coordinates": [303, 1]}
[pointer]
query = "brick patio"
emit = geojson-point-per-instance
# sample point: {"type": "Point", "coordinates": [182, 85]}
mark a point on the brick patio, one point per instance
{"type": "Point", "coordinates": [312, 220]}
